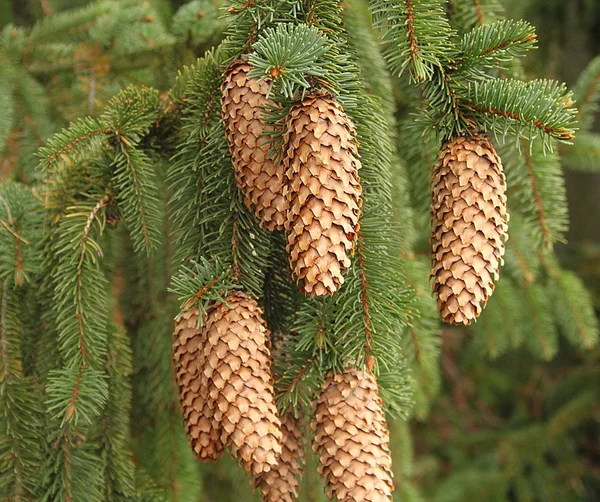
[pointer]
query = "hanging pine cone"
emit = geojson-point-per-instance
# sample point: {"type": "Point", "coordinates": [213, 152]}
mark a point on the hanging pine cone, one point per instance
{"type": "Point", "coordinates": [322, 165]}
{"type": "Point", "coordinates": [469, 219]}
{"type": "Point", "coordinates": [238, 368]}
{"type": "Point", "coordinates": [188, 356]}
{"type": "Point", "coordinates": [281, 483]}
{"type": "Point", "coordinates": [352, 439]}
{"type": "Point", "coordinates": [260, 178]}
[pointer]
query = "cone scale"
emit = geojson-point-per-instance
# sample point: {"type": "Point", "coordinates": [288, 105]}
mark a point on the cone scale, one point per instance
{"type": "Point", "coordinates": [469, 227]}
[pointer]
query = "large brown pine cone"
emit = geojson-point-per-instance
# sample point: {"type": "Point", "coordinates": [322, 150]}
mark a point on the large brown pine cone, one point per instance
{"type": "Point", "coordinates": [469, 220]}
{"type": "Point", "coordinates": [352, 438]}
{"type": "Point", "coordinates": [238, 368]}
{"type": "Point", "coordinates": [281, 483]}
{"type": "Point", "coordinates": [322, 165]}
{"type": "Point", "coordinates": [188, 356]}
{"type": "Point", "coordinates": [260, 178]}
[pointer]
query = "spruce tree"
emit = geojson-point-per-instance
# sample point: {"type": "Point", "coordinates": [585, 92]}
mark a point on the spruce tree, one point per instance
{"type": "Point", "coordinates": [214, 226]}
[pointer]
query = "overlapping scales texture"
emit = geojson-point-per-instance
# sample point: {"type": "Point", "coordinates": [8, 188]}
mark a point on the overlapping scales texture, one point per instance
{"type": "Point", "coordinates": [238, 369]}
{"type": "Point", "coordinates": [322, 165]}
{"type": "Point", "coordinates": [352, 438]}
{"type": "Point", "coordinates": [260, 178]}
{"type": "Point", "coordinates": [282, 483]}
{"type": "Point", "coordinates": [188, 356]}
{"type": "Point", "coordinates": [469, 221]}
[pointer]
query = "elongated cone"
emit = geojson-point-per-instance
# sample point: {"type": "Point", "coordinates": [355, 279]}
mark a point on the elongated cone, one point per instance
{"type": "Point", "coordinates": [281, 483]}
{"type": "Point", "coordinates": [238, 369]}
{"type": "Point", "coordinates": [469, 220]}
{"type": "Point", "coordinates": [322, 165]}
{"type": "Point", "coordinates": [260, 178]}
{"type": "Point", "coordinates": [188, 356]}
{"type": "Point", "coordinates": [352, 438]}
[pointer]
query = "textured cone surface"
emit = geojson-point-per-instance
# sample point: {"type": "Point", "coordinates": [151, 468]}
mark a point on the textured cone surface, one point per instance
{"type": "Point", "coordinates": [469, 227]}
{"type": "Point", "coordinates": [352, 438]}
{"type": "Point", "coordinates": [282, 483]}
{"type": "Point", "coordinates": [260, 178]}
{"type": "Point", "coordinates": [238, 369]}
{"type": "Point", "coordinates": [324, 190]}
{"type": "Point", "coordinates": [197, 408]}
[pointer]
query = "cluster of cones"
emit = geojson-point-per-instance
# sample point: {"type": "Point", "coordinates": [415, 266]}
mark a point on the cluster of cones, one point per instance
{"type": "Point", "coordinates": [313, 193]}
{"type": "Point", "coordinates": [223, 360]}
{"type": "Point", "coordinates": [223, 372]}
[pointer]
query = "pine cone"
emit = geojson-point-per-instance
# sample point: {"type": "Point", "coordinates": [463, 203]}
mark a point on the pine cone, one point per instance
{"type": "Point", "coordinates": [352, 438]}
{"type": "Point", "coordinates": [238, 368]}
{"type": "Point", "coordinates": [260, 178]}
{"type": "Point", "coordinates": [198, 410]}
{"type": "Point", "coordinates": [322, 165]}
{"type": "Point", "coordinates": [281, 484]}
{"type": "Point", "coordinates": [469, 219]}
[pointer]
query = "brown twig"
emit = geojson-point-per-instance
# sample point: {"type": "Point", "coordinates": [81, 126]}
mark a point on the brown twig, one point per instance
{"type": "Point", "coordinates": [71, 145]}
{"type": "Point", "coordinates": [300, 374]}
{"type": "Point", "coordinates": [412, 39]}
{"type": "Point", "coordinates": [537, 197]}
{"type": "Point", "coordinates": [200, 293]}
{"type": "Point", "coordinates": [46, 9]}
{"type": "Point", "coordinates": [364, 298]}
{"type": "Point", "coordinates": [490, 110]}
{"type": "Point", "coordinates": [479, 11]}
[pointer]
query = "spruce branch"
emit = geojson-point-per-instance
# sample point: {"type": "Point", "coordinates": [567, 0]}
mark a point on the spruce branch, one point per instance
{"type": "Point", "coordinates": [196, 190]}
{"type": "Point", "coordinates": [249, 247]}
{"type": "Point", "coordinates": [133, 29]}
{"type": "Point", "coordinates": [521, 258]}
{"type": "Point", "coordinates": [197, 21]}
{"type": "Point", "coordinates": [422, 346]}
{"type": "Point", "coordinates": [20, 234]}
{"type": "Point", "coordinates": [73, 469]}
{"type": "Point", "coordinates": [76, 394]}
{"type": "Point", "coordinates": [542, 338]}
{"type": "Point", "coordinates": [78, 390]}
{"type": "Point", "coordinates": [572, 306]}
{"type": "Point", "coordinates": [333, 329]}
{"type": "Point", "coordinates": [7, 102]}
{"type": "Point", "coordinates": [492, 45]}
{"type": "Point", "coordinates": [138, 195]}
{"type": "Point", "coordinates": [21, 432]}
{"type": "Point", "coordinates": [502, 325]}
{"type": "Point", "coordinates": [586, 94]}
{"type": "Point", "coordinates": [526, 109]}
{"type": "Point", "coordinates": [468, 14]}
{"type": "Point", "coordinates": [60, 23]}
{"type": "Point", "coordinates": [364, 42]}
{"type": "Point", "coordinates": [113, 432]}
{"type": "Point", "coordinates": [288, 55]}
{"type": "Point", "coordinates": [538, 191]}
{"type": "Point", "coordinates": [382, 318]}
{"type": "Point", "coordinates": [200, 282]}
{"type": "Point", "coordinates": [81, 140]}
{"type": "Point", "coordinates": [417, 34]}
{"type": "Point", "coordinates": [364, 299]}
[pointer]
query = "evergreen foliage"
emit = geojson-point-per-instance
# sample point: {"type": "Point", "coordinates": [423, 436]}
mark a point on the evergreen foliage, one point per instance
{"type": "Point", "coordinates": [130, 215]}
